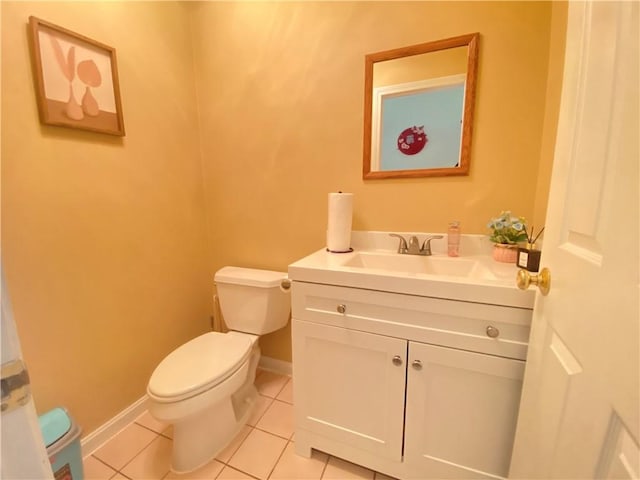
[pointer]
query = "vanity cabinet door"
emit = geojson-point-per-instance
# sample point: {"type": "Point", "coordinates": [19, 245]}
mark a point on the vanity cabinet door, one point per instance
{"type": "Point", "coordinates": [461, 412]}
{"type": "Point", "coordinates": [349, 387]}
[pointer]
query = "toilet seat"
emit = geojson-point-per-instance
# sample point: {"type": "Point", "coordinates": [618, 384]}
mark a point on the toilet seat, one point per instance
{"type": "Point", "coordinates": [198, 365]}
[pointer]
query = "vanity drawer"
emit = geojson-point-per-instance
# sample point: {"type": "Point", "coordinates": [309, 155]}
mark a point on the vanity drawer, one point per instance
{"type": "Point", "coordinates": [476, 327]}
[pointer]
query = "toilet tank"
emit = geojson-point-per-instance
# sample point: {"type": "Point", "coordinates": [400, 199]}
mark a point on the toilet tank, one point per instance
{"type": "Point", "coordinates": [252, 300]}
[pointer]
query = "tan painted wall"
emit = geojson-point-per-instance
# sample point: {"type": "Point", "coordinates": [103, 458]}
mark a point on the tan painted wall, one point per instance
{"type": "Point", "coordinates": [103, 238]}
{"type": "Point", "coordinates": [281, 113]}
{"type": "Point", "coordinates": [552, 109]}
{"type": "Point", "coordinates": [414, 68]}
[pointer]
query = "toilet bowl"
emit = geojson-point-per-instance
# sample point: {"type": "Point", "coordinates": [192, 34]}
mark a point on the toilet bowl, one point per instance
{"type": "Point", "coordinates": [205, 388]}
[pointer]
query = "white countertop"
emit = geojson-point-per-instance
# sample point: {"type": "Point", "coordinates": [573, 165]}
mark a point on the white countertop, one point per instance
{"type": "Point", "coordinates": [498, 287]}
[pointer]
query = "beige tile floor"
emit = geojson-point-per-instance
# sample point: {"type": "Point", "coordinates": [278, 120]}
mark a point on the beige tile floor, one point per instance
{"type": "Point", "coordinates": [263, 450]}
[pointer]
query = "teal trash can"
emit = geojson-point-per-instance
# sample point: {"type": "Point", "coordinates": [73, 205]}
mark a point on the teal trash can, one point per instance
{"type": "Point", "coordinates": [62, 438]}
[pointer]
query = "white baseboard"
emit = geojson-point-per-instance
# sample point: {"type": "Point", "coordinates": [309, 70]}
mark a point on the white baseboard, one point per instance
{"type": "Point", "coordinates": [94, 440]}
{"type": "Point", "coordinates": [275, 365]}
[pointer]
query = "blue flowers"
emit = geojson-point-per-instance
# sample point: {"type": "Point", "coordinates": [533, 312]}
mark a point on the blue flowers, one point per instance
{"type": "Point", "coordinates": [508, 229]}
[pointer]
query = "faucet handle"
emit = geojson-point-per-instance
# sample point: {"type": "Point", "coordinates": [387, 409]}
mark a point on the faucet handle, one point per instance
{"type": "Point", "coordinates": [426, 245]}
{"type": "Point", "coordinates": [402, 246]}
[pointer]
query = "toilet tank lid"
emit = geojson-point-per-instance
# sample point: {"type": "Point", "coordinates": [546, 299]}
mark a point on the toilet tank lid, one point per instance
{"type": "Point", "coordinates": [249, 276]}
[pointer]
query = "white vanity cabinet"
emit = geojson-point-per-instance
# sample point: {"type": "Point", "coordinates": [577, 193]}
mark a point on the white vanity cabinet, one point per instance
{"type": "Point", "coordinates": [461, 412]}
{"type": "Point", "coordinates": [411, 386]}
{"type": "Point", "coordinates": [349, 388]}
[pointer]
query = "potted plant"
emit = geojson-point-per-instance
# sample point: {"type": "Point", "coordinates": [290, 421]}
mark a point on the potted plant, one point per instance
{"type": "Point", "coordinates": [506, 232]}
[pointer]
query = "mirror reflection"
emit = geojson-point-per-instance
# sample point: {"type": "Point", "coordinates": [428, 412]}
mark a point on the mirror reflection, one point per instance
{"type": "Point", "coordinates": [419, 109]}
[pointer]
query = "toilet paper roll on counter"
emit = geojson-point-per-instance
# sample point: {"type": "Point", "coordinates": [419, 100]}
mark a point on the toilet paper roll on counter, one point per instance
{"type": "Point", "coordinates": [339, 222]}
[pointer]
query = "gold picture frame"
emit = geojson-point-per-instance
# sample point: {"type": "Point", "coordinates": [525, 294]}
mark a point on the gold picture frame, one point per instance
{"type": "Point", "coordinates": [76, 80]}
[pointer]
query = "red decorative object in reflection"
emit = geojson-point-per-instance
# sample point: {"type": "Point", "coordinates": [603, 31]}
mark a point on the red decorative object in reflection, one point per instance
{"type": "Point", "coordinates": [412, 140]}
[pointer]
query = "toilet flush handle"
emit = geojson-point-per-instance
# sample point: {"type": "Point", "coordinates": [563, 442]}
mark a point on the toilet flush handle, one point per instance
{"type": "Point", "coordinates": [285, 285]}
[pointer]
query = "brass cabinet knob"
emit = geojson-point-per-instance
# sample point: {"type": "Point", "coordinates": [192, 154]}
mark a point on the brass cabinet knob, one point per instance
{"type": "Point", "coordinates": [492, 332]}
{"type": "Point", "coordinates": [542, 280]}
{"type": "Point", "coordinates": [397, 360]}
{"type": "Point", "coordinates": [341, 308]}
{"type": "Point", "coordinates": [417, 364]}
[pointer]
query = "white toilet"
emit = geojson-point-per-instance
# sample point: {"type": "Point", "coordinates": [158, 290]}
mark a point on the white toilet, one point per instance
{"type": "Point", "coordinates": [205, 387]}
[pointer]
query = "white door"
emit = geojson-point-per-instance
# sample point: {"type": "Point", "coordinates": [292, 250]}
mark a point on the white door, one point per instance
{"type": "Point", "coordinates": [580, 409]}
{"type": "Point", "coordinates": [23, 453]}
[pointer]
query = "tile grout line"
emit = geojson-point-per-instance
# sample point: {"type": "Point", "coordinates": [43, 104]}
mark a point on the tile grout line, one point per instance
{"type": "Point", "coordinates": [326, 464]}
{"type": "Point", "coordinates": [278, 460]}
{"type": "Point", "coordinates": [239, 445]}
{"type": "Point", "coordinates": [119, 470]}
{"type": "Point", "coordinates": [281, 388]}
{"type": "Point", "coordinates": [237, 470]}
{"type": "Point", "coordinates": [274, 434]}
{"type": "Point", "coordinates": [115, 470]}
{"type": "Point", "coordinates": [151, 429]}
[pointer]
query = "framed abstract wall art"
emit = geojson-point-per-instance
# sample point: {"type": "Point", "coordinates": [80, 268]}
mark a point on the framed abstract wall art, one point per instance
{"type": "Point", "coordinates": [76, 80]}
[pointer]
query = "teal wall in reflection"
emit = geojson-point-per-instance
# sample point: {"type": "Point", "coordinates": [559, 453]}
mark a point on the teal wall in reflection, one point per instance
{"type": "Point", "coordinates": [439, 110]}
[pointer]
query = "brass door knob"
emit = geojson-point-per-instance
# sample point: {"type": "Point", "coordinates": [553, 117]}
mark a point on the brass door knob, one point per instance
{"type": "Point", "coordinates": [542, 280]}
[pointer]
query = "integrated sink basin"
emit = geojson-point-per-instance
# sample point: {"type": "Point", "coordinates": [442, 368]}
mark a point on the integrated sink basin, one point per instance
{"type": "Point", "coordinates": [418, 264]}
{"type": "Point", "coordinates": [374, 264]}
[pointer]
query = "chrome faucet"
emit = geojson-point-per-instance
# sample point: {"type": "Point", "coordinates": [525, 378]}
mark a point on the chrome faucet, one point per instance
{"type": "Point", "coordinates": [413, 246]}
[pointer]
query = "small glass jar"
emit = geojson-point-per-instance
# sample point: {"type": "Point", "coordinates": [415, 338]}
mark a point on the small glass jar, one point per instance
{"type": "Point", "coordinates": [453, 239]}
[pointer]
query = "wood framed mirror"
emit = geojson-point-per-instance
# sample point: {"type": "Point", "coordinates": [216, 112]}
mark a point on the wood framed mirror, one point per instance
{"type": "Point", "coordinates": [418, 109]}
